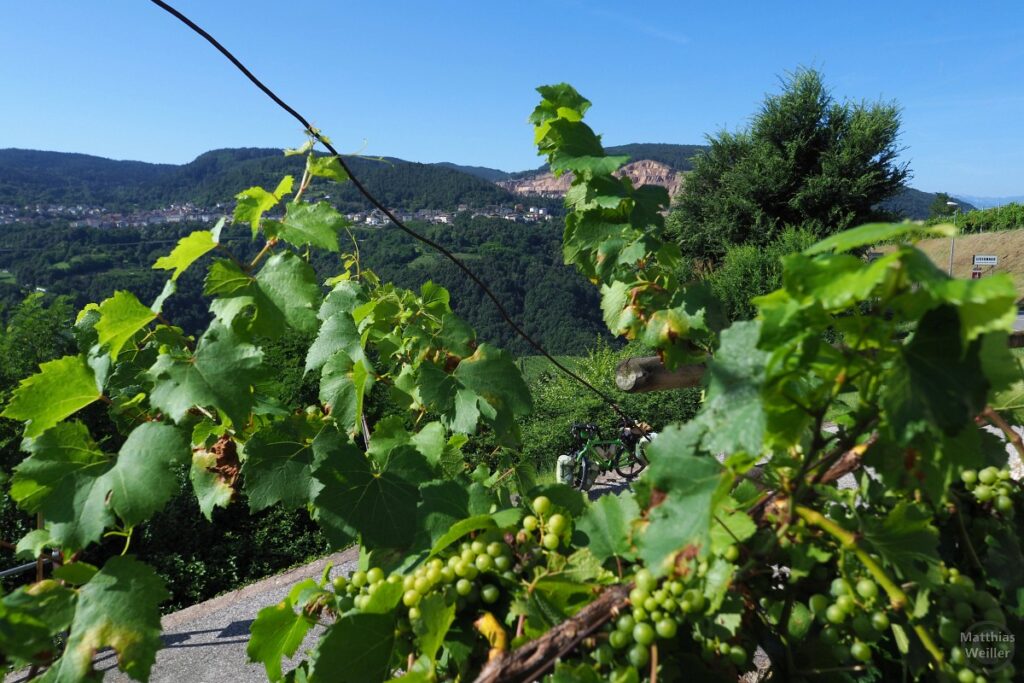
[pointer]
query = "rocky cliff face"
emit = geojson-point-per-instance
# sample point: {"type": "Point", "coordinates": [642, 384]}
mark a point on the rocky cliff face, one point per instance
{"type": "Point", "coordinates": [643, 172]}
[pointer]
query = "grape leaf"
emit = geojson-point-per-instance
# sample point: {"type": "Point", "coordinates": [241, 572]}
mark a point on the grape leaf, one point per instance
{"type": "Point", "coordinates": [873, 233]}
{"type": "Point", "coordinates": [606, 525]}
{"type": "Point", "coordinates": [117, 608]}
{"type": "Point", "coordinates": [357, 648]}
{"type": "Point", "coordinates": [220, 373]}
{"type": "Point", "coordinates": [694, 486]}
{"type": "Point", "coordinates": [337, 333]}
{"type": "Point", "coordinates": [436, 617]}
{"type": "Point", "coordinates": [211, 489]}
{"type": "Point", "coordinates": [326, 167]}
{"type": "Point", "coordinates": [279, 462]}
{"type": "Point", "coordinates": [343, 388]}
{"type": "Point", "coordinates": [283, 294]}
{"type": "Point", "coordinates": [378, 505]}
{"type": "Point", "coordinates": [63, 478]}
{"type": "Point", "coordinates": [188, 250]}
{"type": "Point", "coordinates": [906, 540]}
{"type": "Point", "coordinates": [256, 201]}
{"type": "Point", "coordinates": [60, 388]}
{"type": "Point", "coordinates": [314, 225]}
{"type": "Point", "coordinates": [142, 479]}
{"type": "Point", "coordinates": [277, 632]}
{"type": "Point", "coordinates": [938, 381]}
{"type": "Point", "coordinates": [121, 317]}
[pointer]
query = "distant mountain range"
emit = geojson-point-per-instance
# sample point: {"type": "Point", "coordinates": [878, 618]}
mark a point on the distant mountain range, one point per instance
{"type": "Point", "coordinates": [37, 177]}
{"type": "Point", "coordinates": [991, 202]}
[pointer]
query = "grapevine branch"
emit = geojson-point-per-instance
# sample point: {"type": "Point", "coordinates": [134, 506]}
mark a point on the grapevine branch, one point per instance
{"type": "Point", "coordinates": [315, 133]}
{"type": "Point", "coordinates": [532, 660]}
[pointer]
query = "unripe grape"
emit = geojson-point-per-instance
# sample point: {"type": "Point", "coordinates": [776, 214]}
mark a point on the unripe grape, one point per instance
{"type": "Point", "coordinates": [880, 621]}
{"type": "Point", "coordinates": [339, 583]}
{"type": "Point", "coordinates": [463, 587]}
{"type": "Point", "coordinates": [625, 624]}
{"type": "Point", "coordinates": [867, 589]}
{"type": "Point", "coordinates": [984, 493]}
{"type": "Point", "coordinates": [550, 541]}
{"type": "Point", "coordinates": [557, 524]}
{"type": "Point", "coordinates": [495, 549]}
{"type": "Point", "coordinates": [502, 563]}
{"type": "Point", "coordinates": [411, 598]}
{"type": "Point", "coordinates": [619, 639]}
{"type": "Point", "coordinates": [738, 655]}
{"type": "Point", "coordinates": [1003, 475]}
{"type": "Point", "coordinates": [638, 595]}
{"type": "Point", "coordinates": [966, 676]}
{"type": "Point", "coordinates": [957, 656]}
{"type": "Point", "coordinates": [840, 586]}
{"type": "Point", "coordinates": [969, 477]}
{"type": "Point", "coordinates": [818, 604]}
{"type": "Point", "coordinates": [541, 505]}
{"type": "Point", "coordinates": [359, 579]}
{"type": "Point", "coordinates": [639, 614]}
{"type": "Point", "coordinates": [414, 613]}
{"type": "Point", "coordinates": [421, 584]}
{"type": "Point", "coordinates": [731, 554]}
{"type": "Point", "coordinates": [846, 603]}
{"type": "Point", "coordinates": [375, 575]}
{"type": "Point", "coordinates": [447, 574]}
{"type": "Point", "coordinates": [468, 555]}
{"type": "Point", "coordinates": [1004, 504]}
{"type": "Point", "coordinates": [829, 635]}
{"type": "Point", "coordinates": [666, 628]}
{"type": "Point", "coordinates": [530, 523]}
{"type": "Point", "coordinates": [724, 649]}
{"type": "Point", "coordinates": [835, 614]}
{"type": "Point", "coordinates": [949, 631]}
{"type": "Point", "coordinates": [650, 604]}
{"type": "Point", "coordinates": [484, 562]}
{"type": "Point", "coordinates": [860, 651]}
{"type": "Point", "coordinates": [639, 655]}
{"type": "Point", "coordinates": [989, 475]}
{"type": "Point", "coordinates": [490, 594]}
{"type": "Point", "coordinates": [645, 580]}
{"type": "Point", "coordinates": [478, 547]}
{"type": "Point", "coordinates": [656, 616]}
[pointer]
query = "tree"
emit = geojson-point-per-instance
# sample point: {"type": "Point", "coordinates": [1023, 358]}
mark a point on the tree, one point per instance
{"type": "Point", "coordinates": [805, 161]}
{"type": "Point", "coordinates": [941, 206]}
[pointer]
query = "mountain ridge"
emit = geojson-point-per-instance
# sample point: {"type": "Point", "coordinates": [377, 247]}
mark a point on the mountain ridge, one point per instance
{"type": "Point", "coordinates": [214, 177]}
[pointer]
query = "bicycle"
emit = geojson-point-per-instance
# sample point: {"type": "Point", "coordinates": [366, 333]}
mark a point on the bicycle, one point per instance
{"type": "Point", "coordinates": [592, 455]}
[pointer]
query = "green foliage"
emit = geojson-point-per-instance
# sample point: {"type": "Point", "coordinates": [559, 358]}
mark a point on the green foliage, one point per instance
{"type": "Point", "coordinates": [748, 271]}
{"type": "Point", "coordinates": [886, 364]}
{"type": "Point", "coordinates": [806, 161]}
{"type": "Point", "coordinates": [1008, 217]}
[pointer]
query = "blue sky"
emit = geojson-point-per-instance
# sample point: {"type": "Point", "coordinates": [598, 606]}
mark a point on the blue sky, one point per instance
{"type": "Point", "coordinates": [453, 81]}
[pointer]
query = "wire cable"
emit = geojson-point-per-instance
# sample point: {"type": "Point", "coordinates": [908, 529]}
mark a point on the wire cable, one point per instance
{"type": "Point", "coordinates": [315, 133]}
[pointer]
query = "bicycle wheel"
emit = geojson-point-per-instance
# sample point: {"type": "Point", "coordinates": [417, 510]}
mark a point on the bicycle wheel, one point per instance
{"type": "Point", "coordinates": [632, 465]}
{"type": "Point", "coordinates": [581, 474]}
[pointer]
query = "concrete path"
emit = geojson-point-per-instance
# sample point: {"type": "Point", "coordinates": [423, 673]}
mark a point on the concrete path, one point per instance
{"type": "Point", "coordinates": [206, 643]}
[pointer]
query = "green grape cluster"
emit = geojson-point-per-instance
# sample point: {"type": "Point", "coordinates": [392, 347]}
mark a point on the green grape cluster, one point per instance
{"type": "Point", "coordinates": [961, 605]}
{"type": "Point", "coordinates": [549, 530]}
{"type": "Point", "coordinates": [991, 486]}
{"type": "Point", "coordinates": [854, 617]}
{"type": "Point", "coordinates": [471, 573]}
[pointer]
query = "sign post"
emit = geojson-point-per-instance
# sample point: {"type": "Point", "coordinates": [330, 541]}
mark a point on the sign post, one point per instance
{"type": "Point", "coordinates": [985, 260]}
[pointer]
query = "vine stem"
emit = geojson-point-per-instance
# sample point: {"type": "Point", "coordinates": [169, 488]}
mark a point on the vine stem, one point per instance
{"type": "Point", "coordinates": [898, 599]}
{"type": "Point", "coordinates": [996, 420]}
{"type": "Point", "coordinates": [263, 252]}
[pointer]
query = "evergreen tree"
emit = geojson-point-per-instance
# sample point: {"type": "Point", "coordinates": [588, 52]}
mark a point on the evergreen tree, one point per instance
{"type": "Point", "coordinates": [805, 161]}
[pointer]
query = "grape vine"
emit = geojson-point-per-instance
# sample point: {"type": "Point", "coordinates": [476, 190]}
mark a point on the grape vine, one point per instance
{"type": "Point", "coordinates": [735, 538]}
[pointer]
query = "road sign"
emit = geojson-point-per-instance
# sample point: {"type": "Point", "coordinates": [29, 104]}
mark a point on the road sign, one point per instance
{"type": "Point", "coordinates": [985, 260]}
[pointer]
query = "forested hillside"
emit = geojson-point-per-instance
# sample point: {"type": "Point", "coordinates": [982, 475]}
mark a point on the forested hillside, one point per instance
{"type": "Point", "coordinates": [521, 263]}
{"type": "Point", "coordinates": [29, 177]}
